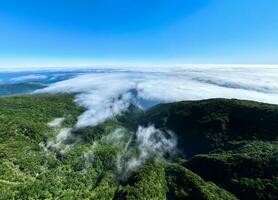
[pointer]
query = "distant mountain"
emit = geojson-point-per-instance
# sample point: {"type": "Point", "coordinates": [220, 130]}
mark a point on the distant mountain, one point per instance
{"type": "Point", "coordinates": [19, 88]}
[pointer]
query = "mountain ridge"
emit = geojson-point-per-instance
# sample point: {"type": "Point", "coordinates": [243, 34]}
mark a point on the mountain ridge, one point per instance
{"type": "Point", "coordinates": [231, 152]}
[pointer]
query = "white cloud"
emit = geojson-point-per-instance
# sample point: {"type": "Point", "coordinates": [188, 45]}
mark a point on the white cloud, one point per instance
{"type": "Point", "coordinates": [151, 142]}
{"type": "Point", "coordinates": [57, 122]}
{"type": "Point", "coordinates": [32, 77]}
{"type": "Point", "coordinates": [62, 135]}
{"type": "Point", "coordinates": [109, 93]}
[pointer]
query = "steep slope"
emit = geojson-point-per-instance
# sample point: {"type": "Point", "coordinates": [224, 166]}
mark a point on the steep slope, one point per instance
{"type": "Point", "coordinates": [248, 169]}
{"type": "Point", "coordinates": [230, 142]}
{"type": "Point", "coordinates": [202, 126]}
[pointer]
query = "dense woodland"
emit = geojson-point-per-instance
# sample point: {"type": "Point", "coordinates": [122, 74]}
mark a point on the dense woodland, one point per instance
{"type": "Point", "coordinates": [226, 149]}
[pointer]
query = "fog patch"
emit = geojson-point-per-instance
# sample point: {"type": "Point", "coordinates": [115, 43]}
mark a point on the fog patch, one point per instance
{"type": "Point", "coordinates": [57, 122]}
{"type": "Point", "coordinates": [118, 140]}
{"type": "Point", "coordinates": [57, 143]}
{"type": "Point", "coordinates": [134, 149]}
{"type": "Point", "coordinates": [152, 143]}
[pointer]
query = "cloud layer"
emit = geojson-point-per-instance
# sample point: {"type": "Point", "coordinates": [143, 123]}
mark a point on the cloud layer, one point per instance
{"type": "Point", "coordinates": [31, 77]}
{"type": "Point", "coordinates": [108, 93]}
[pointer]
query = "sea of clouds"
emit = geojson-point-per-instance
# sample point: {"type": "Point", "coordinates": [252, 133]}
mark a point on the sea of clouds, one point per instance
{"type": "Point", "coordinates": [109, 92]}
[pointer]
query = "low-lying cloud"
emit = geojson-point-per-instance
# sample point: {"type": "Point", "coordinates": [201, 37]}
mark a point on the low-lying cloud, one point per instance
{"type": "Point", "coordinates": [152, 142]}
{"type": "Point", "coordinates": [109, 93]}
{"type": "Point", "coordinates": [134, 149]}
{"type": "Point", "coordinates": [32, 77]}
{"type": "Point", "coordinates": [57, 122]}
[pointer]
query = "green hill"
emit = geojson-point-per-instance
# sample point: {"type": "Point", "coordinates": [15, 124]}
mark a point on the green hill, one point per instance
{"type": "Point", "coordinates": [227, 149]}
{"type": "Point", "coordinates": [209, 124]}
{"type": "Point", "coordinates": [233, 143]}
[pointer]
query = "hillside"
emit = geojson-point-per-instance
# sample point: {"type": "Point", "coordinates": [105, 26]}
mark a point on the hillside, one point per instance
{"type": "Point", "coordinates": [226, 149]}
{"type": "Point", "coordinates": [210, 124]}
{"type": "Point", "coordinates": [233, 143]}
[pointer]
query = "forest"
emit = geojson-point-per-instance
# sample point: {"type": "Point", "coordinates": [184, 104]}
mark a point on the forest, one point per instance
{"type": "Point", "coordinates": [208, 149]}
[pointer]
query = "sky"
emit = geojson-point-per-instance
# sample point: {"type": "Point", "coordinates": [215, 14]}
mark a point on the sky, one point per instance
{"type": "Point", "coordinates": [106, 32]}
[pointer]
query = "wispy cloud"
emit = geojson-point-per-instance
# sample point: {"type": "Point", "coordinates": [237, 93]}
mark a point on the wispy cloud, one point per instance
{"type": "Point", "coordinates": [152, 142]}
{"type": "Point", "coordinates": [32, 77]}
{"type": "Point", "coordinates": [57, 122]}
{"type": "Point", "coordinates": [147, 142]}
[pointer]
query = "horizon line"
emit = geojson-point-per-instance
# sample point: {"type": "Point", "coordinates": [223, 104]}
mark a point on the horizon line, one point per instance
{"type": "Point", "coordinates": [129, 66]}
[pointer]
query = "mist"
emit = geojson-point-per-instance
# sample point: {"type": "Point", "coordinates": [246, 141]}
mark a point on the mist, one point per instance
{"type": "Point", "coordinates": [152, 143]}
{"type": "Point", "coordinates": [133, 149]}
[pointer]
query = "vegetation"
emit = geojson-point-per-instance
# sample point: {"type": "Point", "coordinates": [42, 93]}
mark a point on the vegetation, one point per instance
{"type": "Point", "coordinates": [231, 149]}
{"type": "Point", "coordinates": [248, 169]}
{"type": "Point", "coordinates": [184, 184]}
{"type": "Point", "coordinates": [203, 126]}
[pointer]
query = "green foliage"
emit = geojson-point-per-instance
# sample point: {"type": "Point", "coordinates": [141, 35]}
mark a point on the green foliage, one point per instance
{"type": "Point", "coordinates": [27, 116]}
{"type": "Point", "coordinates": [23, 127]}
{"type": "Point", "coordinates": [147, 183]}
{"type": "Point", "coordinates": [245, 168]}
{"type": "Point", "coordinates": [202, 126]}
{"type": "Point", "coordinates": [257, 188]}
{"type": "Point", "coordinates": [184, 184]}
{"type": "Point", "coordinates": [131, 118]}
{"type": "Point", "coordinates": [237, 139]}
{"type": "Point", "coordinates": [90, 134]}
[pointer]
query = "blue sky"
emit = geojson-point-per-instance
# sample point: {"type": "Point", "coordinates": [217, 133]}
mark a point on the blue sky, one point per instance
{"type": "Point", "coordinates": [88, 32]}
